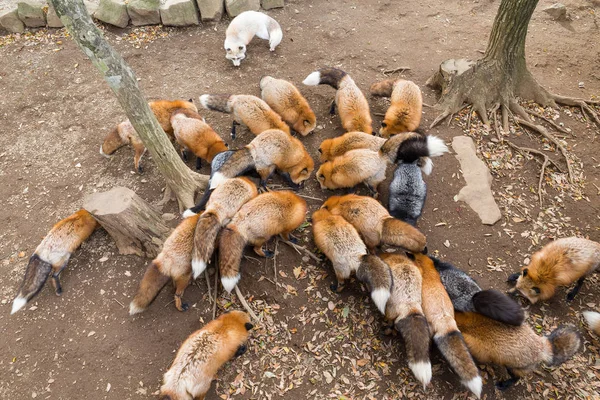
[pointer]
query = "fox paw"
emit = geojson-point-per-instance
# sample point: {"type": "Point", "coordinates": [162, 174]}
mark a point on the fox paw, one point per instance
{"type": "Point", "coordinates": [336, 287]}
{"type": "Point", "coordinates": [503, 385]}
{"type": "Point", "coordinates": [184, 307]}
{"type": "Point", "coordinates": [269, 253]}
{"type": "Point", "coordinates": [571, 296]}
{"type": "Point", "coordinates": [293, 239]}
{"type": "Point", "coordinates": [513, 277]}
{"type": "Point", "coordinates": [140, 169]}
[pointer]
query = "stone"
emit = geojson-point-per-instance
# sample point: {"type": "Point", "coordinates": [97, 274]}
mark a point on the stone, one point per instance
{"type": "Point", "coordinates": [269, 4]}
{"type": "Point", "coordinates": [179, 13]}
{"type": "Point", "coordinates": [236, 7]}
{"type": "Point", "coordinates": [31, 13]}
{"type": "Point", "coordinates": [557, 11]}
{"type": "Point", "coordinates": [52, 19]}
{"type": "Point", "coordinates": [478, 191]}
{"type": "Point", "coordinates": [90, 7]}
{"type": "Point", "coordinates": [144, 12]}
{"type": "Point", "coordinates": [113, 12]}
{"type": "Point", "coordinates": [9, 20]}
{"type": "Point", "coordinates": [211, 10]}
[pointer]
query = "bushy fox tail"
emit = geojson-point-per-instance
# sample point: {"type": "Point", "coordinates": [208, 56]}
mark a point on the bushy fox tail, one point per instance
{"type": "Point", "coordinates": [231, 248]}
{"type": "Point", "coordinates": [325, 76]}
{"type": "Point", "coordinates": [376, 274]}
{"type": "Point", "coordinates": [593, 320]}
{"type": "Point", "coordinates": [455, 351]}
{"type": "Point", "coordinates": [217, 102]}
{"type": "Point", "coordinates": [207, 229]}
{"type": "Point", "coordinates": [565, 341]}
{"type": "Point", "coordinates": [383, 88]}
{"type": "Point", "coordinates": [498, 306]}
{"type": "Point", "coordinates": [415, 331]}
{"type": "Point", "coordinates": [36, 274]}
{"type": "Point", "coordinates": [399, 233]}
{"type": "Point", "coordinates": [151, 284]}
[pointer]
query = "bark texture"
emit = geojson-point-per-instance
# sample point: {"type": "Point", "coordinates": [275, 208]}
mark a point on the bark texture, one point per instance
{"type": "Point", "coordinates": [135, 226]}
{"type": "Point", "coordinates": [183, 182]}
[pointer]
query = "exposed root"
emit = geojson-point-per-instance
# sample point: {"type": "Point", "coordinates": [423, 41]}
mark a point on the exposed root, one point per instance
{"type": "Point", "coordinates": [541, 130]}
{"type": "Point", "coordinates": [167, 197]}
{"type": "Point", "coordinates": [583, 104]}
{"type": "Point", "coordinates": [304, 249]}
{"type": "Point", "coordinates": [505, 118]}
{"type": "Point", "coordinates": [400, 69]}
{"type": "Point", "coordinates": [469, 120]}
{"type": "Point", "coordinates": [208, 284]}
{"type": "Point", "coordinates": [549, 121]}
{"type": "Point", "coordinates": [245, 304]}
{"type": "Point", "coordinates": [439, 119]}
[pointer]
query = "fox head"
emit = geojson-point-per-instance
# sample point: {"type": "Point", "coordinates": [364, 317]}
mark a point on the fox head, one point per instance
{"type": "Point", "coordinates": [325, 150]}
{"type": "Point", "coordinates": [320, 214]}
{"type": "Point", "coordinates": [324, 176]}
{"type": "Point", "coordinates": [306, 123]}
{"type": "Point", "coordinates": [393, 123]}
{"type": "Point", "coordinates": [235, 51]}
{"type": "Point", "coordinates": [302, 171]}
{"type": "Point", "coordinates": [531, 285]}
{"type": "Point", "coordinates": [331, 202]}
{"type": "Point", "coordinates": [112, 142]}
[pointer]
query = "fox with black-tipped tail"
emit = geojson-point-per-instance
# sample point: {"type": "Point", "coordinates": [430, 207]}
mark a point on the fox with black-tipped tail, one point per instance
{"type": "Point", "coordinates": [518, 348]}
{"type": "Point", "coordinates": [374, 223]}
{"type": "Point", "coordinates": [267, 215]}
{"type": "Point", "coordinates": [203, 353]}
{"type": "Point", "coordinates": [351, 103]}
{"type": "Point", "coordinates": [52, 256]}
{"type": "Point", "coordinates": [467, 296]}
{"type": "Point", "coordinates": [404, 311]}
{"type": "Point", "coordinates": [341, 243]}
{"type": "Point", "coordinates": [439, 312]}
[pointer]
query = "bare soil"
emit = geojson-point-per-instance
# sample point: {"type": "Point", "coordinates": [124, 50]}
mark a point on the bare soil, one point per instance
{"type": "Point", "coordinates": [55, 110]}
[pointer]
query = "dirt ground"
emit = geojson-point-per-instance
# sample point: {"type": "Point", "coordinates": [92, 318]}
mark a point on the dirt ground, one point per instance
{"type": "Point", "coordinates": [56, 109]}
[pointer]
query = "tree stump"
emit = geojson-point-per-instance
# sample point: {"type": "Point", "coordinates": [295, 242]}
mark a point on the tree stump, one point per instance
{"type": "Point", "coordinates": [133, 224]}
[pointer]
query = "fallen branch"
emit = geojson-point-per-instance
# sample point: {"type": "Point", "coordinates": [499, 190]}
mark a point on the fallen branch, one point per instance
{"type": "Point", "coordinates": [541, 130]}
{"type": "Point", "coordinates": [298, 248]}
{"type": "Point", "coordinates": [275, 260]}
{"type": "Point", "coordinates": [399, 69]}
{"type": "Point", "coordinates": [308, 197]}
{"type": "Point", "coordinates": [379, 114]}
{"type": "Point", "coordinates": [246, 306]}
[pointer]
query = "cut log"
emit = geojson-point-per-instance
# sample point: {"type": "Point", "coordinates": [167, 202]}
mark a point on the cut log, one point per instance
{"type": "Point", "coordinates": [135, 226]}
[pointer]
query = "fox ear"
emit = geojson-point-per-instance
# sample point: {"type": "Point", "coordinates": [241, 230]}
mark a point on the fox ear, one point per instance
{"type": "Point", "coordinates": [410, 255]}
{"type": "Point", "coordinates": [536, 289]}
{"type": "Point", "coordinates": [191, 101]}
{"type": "Point", "coordinates": [248, 326]}
{"type": "Point", "coordinates": [524, 272]}
{"type": "Point", "coordinates": [424, 250]}
{"type": "Point", "coordinates": [306, 123]}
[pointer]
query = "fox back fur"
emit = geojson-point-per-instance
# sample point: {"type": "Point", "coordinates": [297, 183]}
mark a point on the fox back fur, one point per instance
{"type": "Point", "coordinates": [337, 146]}
{"type": "Point", "coordinates": [407, 193]}
{"type": "Point", "coordinates": [404, 114]}
{"type": "Point", "coordinates": [53, 254]}
{"type": "Point", "coordinates": [243, 28]}
{"type": "Point", "coordinates": [287, 101]}
{"type": "Point", "coordinates": [202, 354]}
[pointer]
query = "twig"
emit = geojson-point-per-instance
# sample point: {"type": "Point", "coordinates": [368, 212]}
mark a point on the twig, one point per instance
{"type": "Point", "coordinates": [399, 69]}
{"type": "Point", "coordinates": [121, 304]}
{"type": "Point", "coordinates": [540, 129]}
{"type": "Point", "coordinates": [548, 120]}
{"type": "Point", "coordinates": [379, 114]}
{"type": "Point", "coordinates": [542, 180]}
{"type": "Point", "coordinates": [450, 119]}
{"type": "Point", "coordinates": [298, 248]}
{"type": "Point", "coordinates": [216, 290]}
{"type": "Point", "coordinates": [308, 197]}
{"type": "Point", "coordinates": [246, 306]}
{"type": "Point", "coordinates": [427, 105]}
{"type": "Point", "coordinates": [208, 284]}
{"type": "Point", "coordinates": [254, 259]}
{"type": "Point", "coordinates": [469, 120]}
{"type": "Point", "coordinates": [169, 303]}
{"type": "Point", "coordinates": [275, 259]}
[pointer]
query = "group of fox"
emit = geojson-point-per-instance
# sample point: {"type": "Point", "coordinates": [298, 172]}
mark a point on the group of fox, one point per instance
{"type": "Point", "coordinates": [422, 297]}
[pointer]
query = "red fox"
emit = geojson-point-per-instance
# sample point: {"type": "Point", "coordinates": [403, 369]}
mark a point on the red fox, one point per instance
{"type": "Point", "coordinates": [354, 167]}
{"type": "Point", "coordinates": [247, 110]}
{"type": "Point", "coordinates": [351, 103]}
{"type": "Point", "coordinates": [243, 28]}
{"type": "Point", "coordinates": [283, 97]}
{"type": "Point", "coordinates": [271, 150]}
{"type": "Point", "coordinates": [224, 202]}
{"type": "Point", "coordinates": [124, 133]}
{"type": "Point", "coordinates": [439, 312]}
{"type": "Point", "coordinates": [559, 263]}
{"type": "Point", "coordinates": [404, 311]}
{"type": "Point", "coordinates": [193, 133]}
{"type": "Point", "coordinates": [174, 261]}
{"type": "Point", "coordinates": [518, 348]}
{"type": "Point", "coordinates": [203, 353]}
{"type": "Point", "coordinates": [340, 242]}
{"type": "Point", "coordinates": [266, 215]}
{"type": "Point", "coordinates": [52, 255]}
{"type": "Point", "coordinates": [374, 223]}
{"type": "Point", "coordinates": [404, 114]}
{"type": "Point", "coordinates": [593, 320]}
{"type": "Point", "coordinates": [337, 146]}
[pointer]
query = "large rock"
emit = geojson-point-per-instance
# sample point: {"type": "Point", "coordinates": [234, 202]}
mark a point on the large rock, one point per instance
{"type": "Point", "coordinates": [179, 13]}
{"type": "Point", "coordinates": [9, 20]}
{"type": "Point", "coordinates": [90, 7]}
{"type": "Point", "coordinates": [557, 11]}
{"type": "Point", "coordinates": [236, 7]}
{"type": "Point", "coordinates": [478, 192]}
{"type": "Point", "coordinates": [268, 4]}
{"type": "Point", "coordinates": [52, 19]}
{"type": "Point", "coordinates": [211, 10]}
{"type": "Point", "coordinates": [113, 12]}
{"type": "Point", "coordinates": [31, 13]}
{"type": "Point", "coordinates": [144, 12]}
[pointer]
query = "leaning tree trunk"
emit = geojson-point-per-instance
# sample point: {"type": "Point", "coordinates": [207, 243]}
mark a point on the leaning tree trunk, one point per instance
{"type": "Point", "coordinates": [183, 182]}
{"type": "Point", "coordinates": [501, 75]}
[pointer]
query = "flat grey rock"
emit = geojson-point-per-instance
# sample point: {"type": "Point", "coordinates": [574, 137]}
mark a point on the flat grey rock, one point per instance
{"type": "Point", "coordinates": [236, 7]}
{"type": "Point", "coordinates": [113, 12]}
{"type": "Point", "coordinates": [179, 13]}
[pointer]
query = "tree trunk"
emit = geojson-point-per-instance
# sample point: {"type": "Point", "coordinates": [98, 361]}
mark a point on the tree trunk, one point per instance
{"type": "Point", "coordinates": [183, 182]}
{"type": "Point", "coordinates": [133, 224]}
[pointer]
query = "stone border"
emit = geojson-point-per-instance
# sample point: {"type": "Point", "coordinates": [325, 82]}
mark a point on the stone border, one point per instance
{"type": "Point", "coordinates": [122, 13]}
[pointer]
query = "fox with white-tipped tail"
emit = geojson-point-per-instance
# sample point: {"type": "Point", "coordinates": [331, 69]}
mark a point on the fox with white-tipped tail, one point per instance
{"type": "Point", "coordinates": [53, 254]}
{"type": "Point", "coordinates": [243, 28]}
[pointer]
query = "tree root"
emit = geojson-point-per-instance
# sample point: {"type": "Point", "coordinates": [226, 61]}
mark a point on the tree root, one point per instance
{"type": "Point", "coordinates": [298, 248]}
{"type": "Point", "coordinates": [245, 304]}
{"type": "Point", "coordinates": [583, 104]}
{"type": "Point", "coordinates": [549, 121]}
